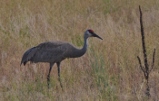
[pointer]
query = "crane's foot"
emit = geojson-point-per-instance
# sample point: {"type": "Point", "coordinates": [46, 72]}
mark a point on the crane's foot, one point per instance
{"type": "Point", "coordinates": [48, 85]}
{"type": "Point", "coordinates": [48, 81]}
{"type": "Point", "coordinates": [60, 83]}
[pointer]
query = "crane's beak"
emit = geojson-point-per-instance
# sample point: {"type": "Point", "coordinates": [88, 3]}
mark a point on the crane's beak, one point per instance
{"type": "Point", "coordinates": [95, 35]}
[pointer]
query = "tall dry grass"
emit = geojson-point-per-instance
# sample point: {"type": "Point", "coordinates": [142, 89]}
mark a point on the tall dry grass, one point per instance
{"type": "Point", "coordinates": [109, 71]}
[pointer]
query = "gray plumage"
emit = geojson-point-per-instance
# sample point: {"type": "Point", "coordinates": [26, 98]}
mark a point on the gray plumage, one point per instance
{"type": "Point", "coordinates": [55, 52]}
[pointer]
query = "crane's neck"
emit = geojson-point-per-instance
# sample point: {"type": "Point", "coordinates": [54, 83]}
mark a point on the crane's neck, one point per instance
{"type": "Point", "coordinates": [84, 49]}
{"type": "Point", "coordinates": [79, 52]}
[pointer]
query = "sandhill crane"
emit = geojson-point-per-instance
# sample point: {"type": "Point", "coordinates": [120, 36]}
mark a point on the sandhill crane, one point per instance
{"type": "Point", "coordinates": [55, 52]}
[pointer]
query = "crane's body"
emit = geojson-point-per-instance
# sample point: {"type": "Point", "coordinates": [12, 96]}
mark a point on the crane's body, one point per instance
{"type": "Point", "coordinates": [51, 52]}
{"type": "Point", "coordinates": [55, 52]}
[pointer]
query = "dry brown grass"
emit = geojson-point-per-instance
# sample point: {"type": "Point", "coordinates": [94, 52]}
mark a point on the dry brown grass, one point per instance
{"type": "Point", "coordinates": [109, 71]}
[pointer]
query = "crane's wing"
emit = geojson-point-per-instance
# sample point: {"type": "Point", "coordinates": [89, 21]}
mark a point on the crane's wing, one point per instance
{"type": "Point", "coordinates": [45, 52]}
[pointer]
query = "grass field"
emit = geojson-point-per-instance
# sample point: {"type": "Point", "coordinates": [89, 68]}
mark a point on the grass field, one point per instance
{"type": "Point", "coordinates": [109, 71]}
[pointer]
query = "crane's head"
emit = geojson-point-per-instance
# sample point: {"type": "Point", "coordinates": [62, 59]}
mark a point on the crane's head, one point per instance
{"type": "Point", "coordinates": [91, 33]}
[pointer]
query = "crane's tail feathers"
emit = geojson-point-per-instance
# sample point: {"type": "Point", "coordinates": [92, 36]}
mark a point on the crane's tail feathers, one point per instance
{"type": "Point", "coordinates": [28, 55]}
{"type": "Point", "coordinates": [24, 63]}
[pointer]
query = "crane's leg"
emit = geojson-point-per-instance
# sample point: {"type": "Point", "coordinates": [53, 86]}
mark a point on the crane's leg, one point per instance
{"type": "Point", "coordinates": [48, 76]}
{"type": "Point", "coordinates": [58, 67]}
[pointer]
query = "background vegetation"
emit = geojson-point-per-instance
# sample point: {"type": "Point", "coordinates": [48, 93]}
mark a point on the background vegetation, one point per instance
{"type": "Point", "coordinates": [109, 71]}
